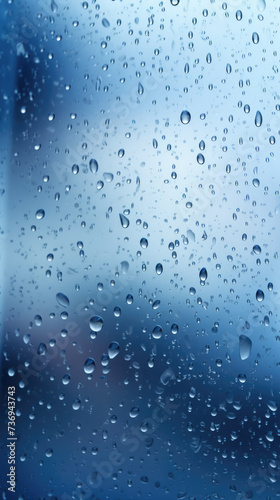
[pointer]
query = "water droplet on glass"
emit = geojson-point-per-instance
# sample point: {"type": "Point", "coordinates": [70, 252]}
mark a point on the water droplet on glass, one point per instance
{"type": "Point", "coordinates": [174, 328]}
{"type": "Point", "coordinates": [40, 214]}
{"type": "Point", "coordinates": [200, 159]}
{"type": "Point", "coordinates": [96, 323]}
{"type": "Point", "coordinates": [144, 242]}
{"type": "Point", "coordinates": [272, 405]}
{"type": "Point", "coordinates": [129, 299]}
{"type": "Point", "coordinates": [124, 221]}
{"type": "Point", "coordinates": [174, 2]}
{"type": "Point", "coordinates": [117, 311]}
{"type": "Point", "coordinates": [140, 89]}
{"type": "Point", "coordinates": [203, 274]}
{"type": "Point", "coordinates": [38, 320]}
{"type": "Point", "coordinates": [134, 412]}
{"type": "Point", "coordinates": [185, 117]}
{"type": "Point", "coordinates": [76, 404]}
{"type": "Point", "coordinates": [258, 119]}
{"type": "Point", "coordinates": [156, 304]}
{"type": "Point", "coordinates": [242, 378]}
{"type": "Point", "coordinates": [113, 350]}
{"type": "Point", "coordinates": [245, 346]}
{"type": "Point", "coordinates": [105, 22]}
{"type": "Point", "coordinates": [259, 295]}
{"type": "Point", "coordinates": [257, 249]}
{"type": "Point", "coordinates": [159, 268]}
{"type": "Point", "coordinates": [62, 299]}
{"type": "Point", "coordinates": [157, 332]}
{"type": "Point", "coordinates": [256, 182]}
{"type": "Point", "coordinates": [89, 365]}
{"type": "Point", "coordinates": [93, 165]}
{"type": "Point", "coordinates": [238, 15]}
{"type": "Point", "coordinates": [49, 452]}
{"type": "Point", "coordinates": [66, 379]}
{"type": "Point", "coordinates": [209, 58]}
{"type": "Point", "coordinates": [255, 37]}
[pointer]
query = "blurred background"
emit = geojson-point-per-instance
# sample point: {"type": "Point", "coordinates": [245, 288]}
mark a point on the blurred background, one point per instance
{"type": "Point", "coordinates": [139, 248]}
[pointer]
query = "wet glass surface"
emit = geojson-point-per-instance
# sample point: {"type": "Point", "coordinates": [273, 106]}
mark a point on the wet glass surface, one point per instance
{"type": "Point", "coordinates": [140, 237]}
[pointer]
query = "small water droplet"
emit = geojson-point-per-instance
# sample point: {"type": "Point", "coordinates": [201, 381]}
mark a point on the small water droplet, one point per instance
{"type": "Point", "coordinates": [76, 404]}
{"type": "Point", "coordinates": [129, 299]}
{"type": "Point", "coordinates": [89, 365]}
{"type": "Point", "coordinates": [93, 165]}
{"type": "Point", "coordinates": [66, 379]}
{"type": "Point", "coordinates": [200, 159]}
{"type": "Point", "coordinates": [261, 5]}
{"type": "Point", "coordinates": [187, 68]}
{"type": "Point", "coordinates": [105, 22]}
{"type": "Point", "coordinates": [38, 320]}
{"type": "Point", "coordinates": [157, 332]}
{"type": "Point", "coordinates": [203, 274]}
{"type": "Point", "coordinates": [113, 350]}
{"type": "Point", "coordinates": [185, 117]}
{"type": "Point", "coordinates": [156, 304]}
{"type": "Point", "coordinates": [258, 119]}
{"type": "Point", "coordinates": [174, 328]}
{"type": "Point", "coordinates": [40, 214]}
{"type": "Point", "coordinates": [62, 299]}
{"type": "Point", "coordinates": [245, 346]}
{"type": "Point", "coordinates": [49, 452]}
{"type": "Point", "coordinates": [124, 221]}
{"type": "Point", "coordinates": [257, 249]}
{"type": "Point", "coordinates": [259, 295]}
{"type": "Point", "coordinates": [124, 267]}
{"type": "Point", "coordinates": [144, 242]}
{"type": "Point", "coordinates": [140, 89]}
{"type": "Point", "coordinates": [159, 268]}
{"type": "Point", "coordinates": [238, 15]}
{"type": "Point", "coordinates": [134, 412]}
{"type": "Point", "coordinates": [96, 323]}
{"type": "Point", "coordinates": [255, 37]}
{"type": "Point", "coordinates": [272, 405]}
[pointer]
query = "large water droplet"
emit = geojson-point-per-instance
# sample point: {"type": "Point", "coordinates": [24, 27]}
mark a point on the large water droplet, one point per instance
{"type": "Point", "coordinates": [185, 117]}
{"type": "Point", "coordinates": [40, 214]}
{"type": "Point", "coordinates": [54, 7]}
{"type": "Point", "coordinates": [89, 365]}
{"type": "Point", "coordinates": [113, 350]}
{"type": "Point", "coordinates": [96, 323]}
{"type": "Point", "coordinates": [62, 299]}
{"type": "Point", "coordinates": [258, 119]}
{"type": "Point", "coordinates": [245, 346]}
{"type": "Point", "coordinates": [156, 304]}
{"type": "Point", "coordinates": [93, 165]}
{"type": "Point", "coordinates": [124, 221]}
{"type": "Point", "coordinates": [259, 295]}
